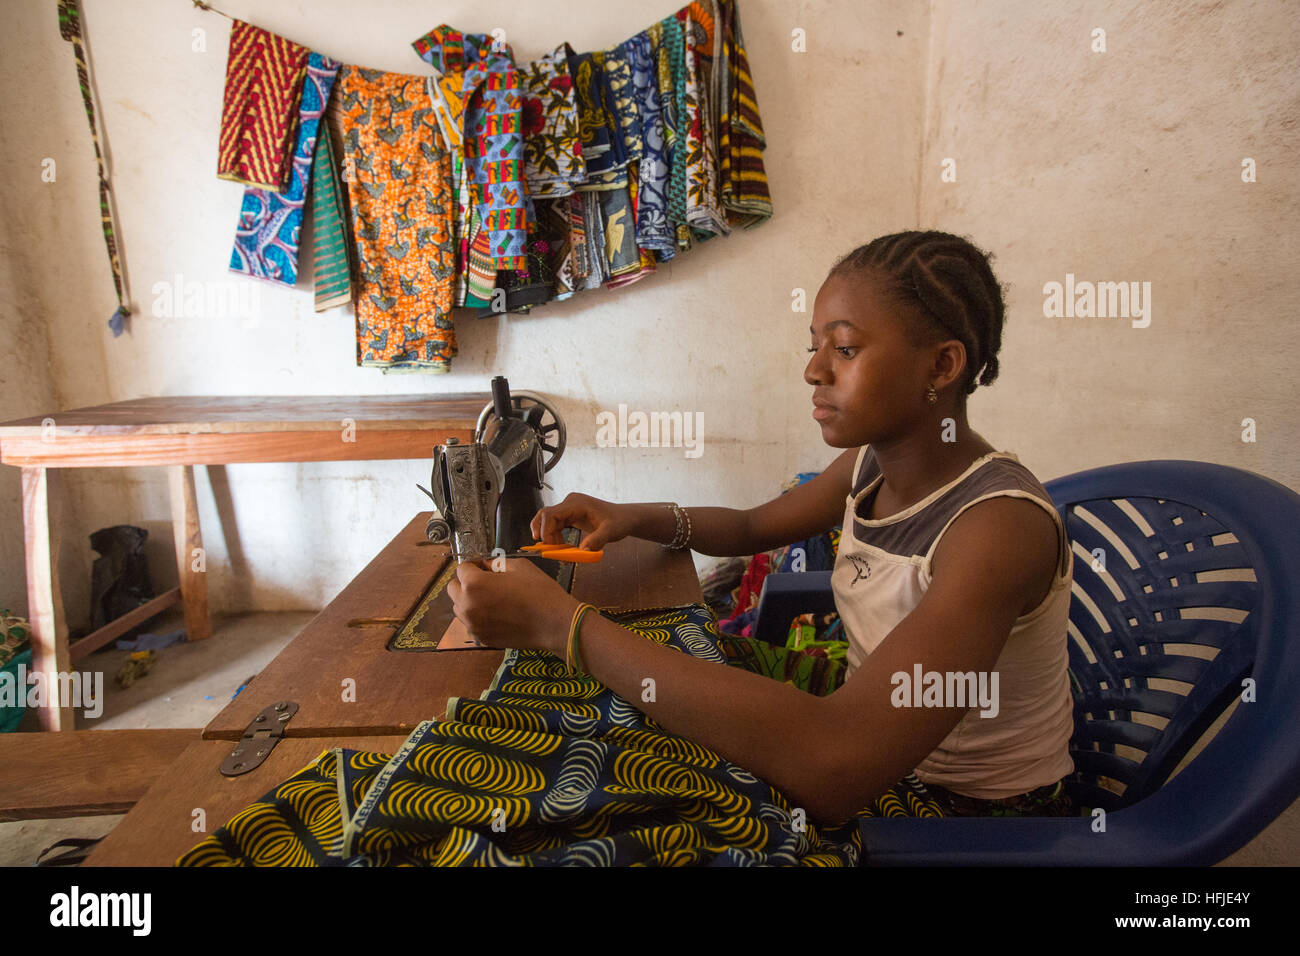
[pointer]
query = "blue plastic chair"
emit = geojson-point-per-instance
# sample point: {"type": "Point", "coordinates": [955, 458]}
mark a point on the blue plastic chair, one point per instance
{"type": "Point", "coordinates": [1194, 554]}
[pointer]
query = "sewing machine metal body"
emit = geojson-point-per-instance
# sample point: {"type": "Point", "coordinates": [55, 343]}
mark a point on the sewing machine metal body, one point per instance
{"type": "Point", "coordinates": [488, 491]}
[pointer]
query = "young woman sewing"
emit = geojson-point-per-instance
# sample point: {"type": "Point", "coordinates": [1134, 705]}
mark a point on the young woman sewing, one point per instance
{"type": "Point", "coordinates": [952, 561]}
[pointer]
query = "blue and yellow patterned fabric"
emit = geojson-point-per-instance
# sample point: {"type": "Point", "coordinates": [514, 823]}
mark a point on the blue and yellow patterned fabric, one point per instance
{"type": "Point", "coordinates": [549, 769]}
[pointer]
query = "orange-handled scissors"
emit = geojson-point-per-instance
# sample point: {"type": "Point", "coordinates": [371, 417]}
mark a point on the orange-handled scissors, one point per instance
{"type": "Point", "coordinates": [560, 552]}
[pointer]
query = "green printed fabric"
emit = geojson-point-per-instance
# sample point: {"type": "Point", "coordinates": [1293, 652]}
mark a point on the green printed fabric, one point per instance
{"type": "Point", "coordinates": [811, 673]}
{"type": "Point", "coordinates": [547, 769]}
{"type": "Point", "coordinates": [331, 244]}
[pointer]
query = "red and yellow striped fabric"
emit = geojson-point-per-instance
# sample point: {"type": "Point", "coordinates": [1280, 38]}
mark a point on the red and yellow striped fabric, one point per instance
{"type": "Point", "coordinates": [259, 113]}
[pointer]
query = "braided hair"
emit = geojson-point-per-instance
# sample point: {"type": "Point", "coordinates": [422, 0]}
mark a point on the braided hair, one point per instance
{"type": "Point", "coordinates": [950, 279]}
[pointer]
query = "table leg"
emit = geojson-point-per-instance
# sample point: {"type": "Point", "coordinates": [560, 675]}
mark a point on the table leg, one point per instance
{"type": "Point", "coordinates": [191, 560]}
{"type": "Point", "coordinates": [44, 601]}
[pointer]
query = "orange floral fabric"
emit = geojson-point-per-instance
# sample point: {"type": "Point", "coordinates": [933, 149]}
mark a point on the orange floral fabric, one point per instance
{"type": "Point", "coordinates": [400, 182]}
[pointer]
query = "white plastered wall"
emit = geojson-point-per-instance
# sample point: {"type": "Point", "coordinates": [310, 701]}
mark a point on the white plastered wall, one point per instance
{"type": "Point", "coordinates": [1115, 166]}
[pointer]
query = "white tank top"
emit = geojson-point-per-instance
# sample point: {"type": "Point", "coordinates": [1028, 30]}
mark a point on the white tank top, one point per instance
{"type": "Point", "coordinates": [882, 570]}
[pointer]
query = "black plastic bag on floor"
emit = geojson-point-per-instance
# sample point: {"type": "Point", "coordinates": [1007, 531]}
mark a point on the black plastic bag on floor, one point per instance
{"type": "Point", "coordinates": [119, 578]}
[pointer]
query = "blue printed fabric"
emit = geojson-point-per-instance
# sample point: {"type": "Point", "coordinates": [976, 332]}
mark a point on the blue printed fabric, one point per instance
{"type": "Point", "coordinates": [481, 96]}
{"type": "Point", "coordinates": [266, 239]}
{"type": "Point", "coordinates": [619, 224]}
{"type": "Point", "coordinates": [603, 147]}
{"type": "Point", "coordinates": [627, 118]}
{"type": "Point", "coordinates": [652, 229]}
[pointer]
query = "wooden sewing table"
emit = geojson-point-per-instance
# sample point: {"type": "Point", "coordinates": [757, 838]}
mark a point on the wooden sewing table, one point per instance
{"type": "Point", "coordinates": [353, 691]}
{"type": "Point", "coordinates": [178, 433]}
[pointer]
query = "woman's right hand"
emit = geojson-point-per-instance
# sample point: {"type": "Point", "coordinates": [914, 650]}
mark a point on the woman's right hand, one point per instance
{"type": "Point", "coordinates": [603, 521]}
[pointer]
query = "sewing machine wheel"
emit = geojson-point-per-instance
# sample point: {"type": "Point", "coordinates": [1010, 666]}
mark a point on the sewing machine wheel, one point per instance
{"type": "Point", "coordinates": [551, 436]}
{"type": "Point", "coordinates": [437, 530]}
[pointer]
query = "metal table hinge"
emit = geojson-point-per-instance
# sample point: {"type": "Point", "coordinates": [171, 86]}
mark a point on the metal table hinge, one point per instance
{"type": "Point", "coordinates": [259, 739]}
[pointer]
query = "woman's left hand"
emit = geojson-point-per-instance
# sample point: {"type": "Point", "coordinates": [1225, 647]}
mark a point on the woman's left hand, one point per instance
{"type": "Point", "coordinates": [522, 606]}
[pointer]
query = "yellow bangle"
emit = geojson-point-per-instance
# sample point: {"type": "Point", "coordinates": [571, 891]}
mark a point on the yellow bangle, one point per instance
{"type": "Point", "coordinates": [577, 634]}
{"type": "Point", "coordinates": [573, 633]}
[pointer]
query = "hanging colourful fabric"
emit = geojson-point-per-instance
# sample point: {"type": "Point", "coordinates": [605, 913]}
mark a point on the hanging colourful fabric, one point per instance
{"type": "Point", "coordinates": [703, 213]}
{"type": "Point", "coordinates": [603, 150]}
{"type": "Point", "coordinates": [259, 111]}
{"type": "Point", "coordinates": [652, 229]}
{"type": "Point", "coordinates": [400, 192]}
{"type": "Point", "coordinates": [626, 116]}
{"type": "Point", "coordinates": [641, 149]}
{"type": "Point", "coordinates": [742, 176]}
{"type": "Point", "coordinates": [482, 102]}
{"type": "Point", "coordinates": [70, 30]}
{"type": "Point", "coordinates": [331, 244]}
{"type": "Point", "coordinates": [646, 265]}
{"type": "Point", "coordinates": [480, 268]}
{"type": "Point", "coordinates": [266, 240]}
{"type": "Point", "coordinates": [618, 223]}
{"type": "Point", "coordinates": [673, 44]}
{"type": "Point", "coordinates": [553, 162]}
{"type": "Point", "coordinates": [618, 214]}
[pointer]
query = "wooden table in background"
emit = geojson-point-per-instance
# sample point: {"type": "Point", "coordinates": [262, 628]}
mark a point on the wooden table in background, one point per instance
{"type": "Point", "coordinates": [394, 690]}
{"type": "Point", "coordinates": [178, 433]}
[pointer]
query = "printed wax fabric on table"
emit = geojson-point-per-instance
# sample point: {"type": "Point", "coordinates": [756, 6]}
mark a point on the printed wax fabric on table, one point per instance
{"type": "Point", "coordinates": [546, 769]}
{"type": "Point", "coordinates": [399, 185]}
{"type": "Point", "coordinates": [259, 110]}
{"type": "Point", "coordinates": [266, 240]}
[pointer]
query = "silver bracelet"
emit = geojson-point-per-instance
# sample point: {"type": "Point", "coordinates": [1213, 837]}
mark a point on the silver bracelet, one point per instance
{"type": "Point", "coordinates": [683, 519]}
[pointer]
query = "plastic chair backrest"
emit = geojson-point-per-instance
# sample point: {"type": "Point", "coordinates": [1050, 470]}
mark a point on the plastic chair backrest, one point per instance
{"type": "Point", "coordinates": [1179, 595]}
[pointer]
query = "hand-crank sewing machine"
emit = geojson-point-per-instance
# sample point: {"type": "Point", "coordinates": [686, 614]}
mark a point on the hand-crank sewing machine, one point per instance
{"type": "Point", "coordinates": [488, 491]}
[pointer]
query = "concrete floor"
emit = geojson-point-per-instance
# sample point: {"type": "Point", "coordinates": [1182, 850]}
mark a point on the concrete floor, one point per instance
{"type": "Point", "coordinates": [191, 683]}
{"type": "Point", "coordinates": [188, 686]}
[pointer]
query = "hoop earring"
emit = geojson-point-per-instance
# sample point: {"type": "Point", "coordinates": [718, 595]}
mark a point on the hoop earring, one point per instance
{"type": "Point", "coordinates": [932, 396]}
